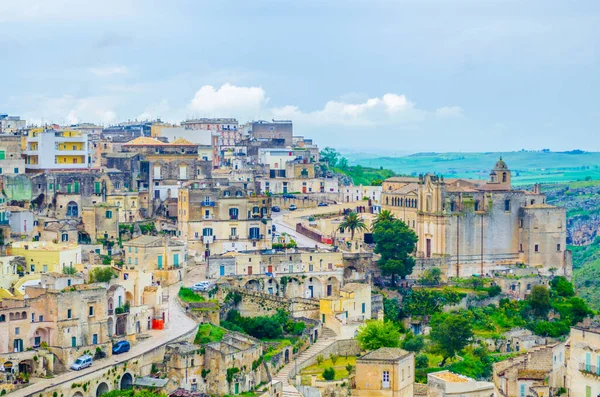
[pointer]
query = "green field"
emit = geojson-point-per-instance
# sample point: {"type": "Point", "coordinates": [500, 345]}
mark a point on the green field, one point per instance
{"type": "Point", "coordinates": [527, 167]}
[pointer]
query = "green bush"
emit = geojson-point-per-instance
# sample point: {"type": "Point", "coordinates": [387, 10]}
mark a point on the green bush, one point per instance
{"type": "Point", "coordinates": [422, 361]}
{"type": "Point", "coordinates": [494, 290]}
{"type": "Point", "coordinates": [328, 373]}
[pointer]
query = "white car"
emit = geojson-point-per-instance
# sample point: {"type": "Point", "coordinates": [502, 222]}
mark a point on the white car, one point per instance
{"type": "Point", "coordinates": [202, 286]}
{"type": "Point", "coordinates": [82, 362]}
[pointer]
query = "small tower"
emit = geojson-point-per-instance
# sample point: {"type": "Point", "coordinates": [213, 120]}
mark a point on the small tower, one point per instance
{"type": "Point", "coordinates": [500, 175]}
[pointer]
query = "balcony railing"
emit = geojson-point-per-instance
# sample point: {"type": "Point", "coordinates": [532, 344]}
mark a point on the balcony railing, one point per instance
{"type": "Point", "coordinates": [207, 203]}
{"type": "Point", "coordinates": [589, 369]}
{"type": "Point", "coordinates": [208, 239]}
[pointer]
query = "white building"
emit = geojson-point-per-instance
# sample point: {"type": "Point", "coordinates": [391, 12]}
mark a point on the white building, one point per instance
{"type": "Point", "coordinates": [11, 124]}
{"type": "Point", "coordinates": [49, 149]}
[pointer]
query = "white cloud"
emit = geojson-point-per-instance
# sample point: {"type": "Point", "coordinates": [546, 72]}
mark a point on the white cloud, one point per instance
{"type": "Point", "coordinates": [243, 102]}
{"type": "Point", "coordinates": [108, 71]}
{"type": "Point", "coordinates": [250, 103]}
{"type": "Point", "coordinates": [449, 111]}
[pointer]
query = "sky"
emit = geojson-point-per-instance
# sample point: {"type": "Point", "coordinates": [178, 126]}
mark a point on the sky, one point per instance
{"type": "Point", "coordinates": [375, 76]}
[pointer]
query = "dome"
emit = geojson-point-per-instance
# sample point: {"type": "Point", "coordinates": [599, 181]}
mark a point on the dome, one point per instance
{"type": "Point", "coordinates": [500, 165]}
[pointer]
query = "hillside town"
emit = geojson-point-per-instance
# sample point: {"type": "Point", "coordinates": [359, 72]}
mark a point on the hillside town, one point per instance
{"type": "Point", "coordinates": [215, 257]}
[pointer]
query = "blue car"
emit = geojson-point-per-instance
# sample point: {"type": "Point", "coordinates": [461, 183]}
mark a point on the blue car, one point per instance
{"type": "Point", "coordinates": [121, 347]}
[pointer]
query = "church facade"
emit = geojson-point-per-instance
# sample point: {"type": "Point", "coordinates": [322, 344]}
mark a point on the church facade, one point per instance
{"type": "Point", "coordinates": [473, 227]}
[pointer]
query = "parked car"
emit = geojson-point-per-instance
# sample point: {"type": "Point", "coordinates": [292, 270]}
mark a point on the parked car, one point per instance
{"type": "Point", "coordinates": [82, 362]}
{"type": "Point", "coordinates": [287, 195]}
{"type": "Point", "coordinates": [121, 347]}
{"type": "Point", "coordinates": [293, 207]}
{"type": "Point", "coordinates": [323, 205]}
{"type": "Point", "coordinates": [275, 208]}
{"type": "Point", "coordinates": [202, 286]}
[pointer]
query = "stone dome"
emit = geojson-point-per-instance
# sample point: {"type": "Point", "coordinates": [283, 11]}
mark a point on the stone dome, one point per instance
{"type": "Point", "coordinates": [500, 165]}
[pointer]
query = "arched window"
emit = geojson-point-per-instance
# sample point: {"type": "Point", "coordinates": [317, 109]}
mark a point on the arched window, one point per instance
{"type": "Point", "coordinates": [2, 318]}
{"type": "Point", "coordinates": [238, 193]}
{"type": "Point", "coordinates": [72, 209]}
{"type": "Point", "coordinates": [504, 178]}
{"type": "Point", "coordinates": [387, 201]}
{"type": "Point", "coordinates": [226, 193]}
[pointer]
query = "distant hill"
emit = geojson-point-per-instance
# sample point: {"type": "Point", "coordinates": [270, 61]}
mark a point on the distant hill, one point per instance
{"type": "Point", "coordinates": [528, 166]}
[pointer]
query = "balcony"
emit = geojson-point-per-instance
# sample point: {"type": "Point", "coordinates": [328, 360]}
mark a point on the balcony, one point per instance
{"type": "Point", "coordinates": [207, 203]}
{"type": "Point", "coordinates": [257, 237]}
{"type": "Point", "coordinates": [208, 239]}
{"type": "Point", "coordinates": [590, 369]}
{"type": "Point", "coordinates": [66, 152]}
{"type": "Point", "coordinates": [234, 237]}
{"type": "Point", "coordinates": [234, 217]}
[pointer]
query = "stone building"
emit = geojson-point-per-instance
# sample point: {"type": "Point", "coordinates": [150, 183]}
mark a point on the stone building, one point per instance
{"type": "Point", "coordinates": [223, 218]}
{"type": "Point", "coordinates": [11, 162]}
{"type": "Point", "coordinates": [165, 257]}
{"type": "Point", "coordinates": [540, 369]}
{"type": "Point", "coordinates": [447, 384]}
{"type": "Point", "coordinates": [304, 273]}
{"type": "Point", "coordinates": [385, 372]}
{"type": "Point", "coordinates": [275, 129]}
{"type": "Point", "coordinates": [583, 365]}
{"type": "Point", "coordinates": [235, 350]}
{"type": "Point", "coordinates": [468, 227]}
{"type": "Point", "coordinates": [346, 312]}
{"type": "Point", "coordinates": [46, 256]}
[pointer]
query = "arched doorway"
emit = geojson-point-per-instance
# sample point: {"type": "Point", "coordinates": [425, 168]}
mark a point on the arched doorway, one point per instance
{"type": "Point", "coordinates": [78, 394]}
{"type": "Point", "coordinates": [101, 389]}
{"type": "Point", "coordinates": [333, 286]}
{"type": "Point", "coordinates": [121, 325]}
{"type": "Point", "coordinates": [129, 298]}
{"type": "Point", "coordinates": [126, 381]}
{"type": "Point", "coordinates": [26, 366]}
{"type": "Point", "coordinates": [314, 288]}
{"type": "Point", "coordinates": [111, 327]}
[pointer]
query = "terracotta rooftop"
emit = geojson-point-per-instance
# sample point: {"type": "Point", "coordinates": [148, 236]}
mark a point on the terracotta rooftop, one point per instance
{"type": "Point", "coordinates": [385, 353]}
{"type": "Point", "coordinates": [182, 142]}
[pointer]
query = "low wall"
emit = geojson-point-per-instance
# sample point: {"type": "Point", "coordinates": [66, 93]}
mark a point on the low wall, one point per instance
{"type": "Point", "coordinates": [342, 347]}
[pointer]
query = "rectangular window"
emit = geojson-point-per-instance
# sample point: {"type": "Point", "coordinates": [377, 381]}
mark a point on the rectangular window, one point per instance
{"type": "Point", "coordinates": [588, 361]}
{"type": "Point", "coordinates": [558, 247]}
{"type": "Point", "coordinates": [50, 186]}
{"type": "Point", "coordinates": [41, 318]}
{"type": "Point", "coordinates": [76, 187]}
{"type": "Point", "coordinates": [109, 214]}
{"type": "Point", "coordinates": [95, 339]}
{"type": "Point", "coordinates": [506, 205]}
{"type": "Point", "coordinates": [160, 262]}
{"type": "Point", "coordinates": [68, 313]}
{"type": "Point", "coordinates": [537, 248]}
{"type": "Point", "coordinates": [91, 310]}
{"type": "Point", "coordinates": [2, 155]}
{"type": "Point", "coordinates": [588, 391]}
{"type": "Point", "coordinates": [97, 187]}
{"type": "Point", "coordinates": [522, 391]}
{"type": "Point", "coordinates": [17, 331]}
{"type": "Point", "coordinates": [364, 308]}
{"type": "Point", "coordinates": [386, 380]}
{"type": "Point", "coordinates": [16, 170]}
{"type": "Point", "coordinates": [32, 268]}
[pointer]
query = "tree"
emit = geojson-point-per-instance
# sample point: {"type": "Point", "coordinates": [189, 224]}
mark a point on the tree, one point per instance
{"type": "Point", "coordinates": [353, 223]}
{"type": "Point", "coordinates": [539, 300]}
{"type": "Point", "coordinates": [422, 361]}
{"type": "Point", "coordinates": [384, 215]}
{"type": "Point", "coordinates": [395, 242]}
{"type": "Point", "coordinates": [102, 274]}
{"type": "Point", "coordinates": [562, 286]}
{"type": "Point", "coordinates": [70, 270]}
{"type": "Point", "coordinates": [391, 309]}
{"type": "Point", "coordinates": [450, 333]}
{"type": "Point", "coordinates": [413, 343]}
{"type": "Point", "coordinates": [331, 156]}
{"type": "Point", "coordinates": [432, 276]}
{"type": "Point", "coordinates": [328, 373]}
{"type": "Point", "coordinates": [376, 333]}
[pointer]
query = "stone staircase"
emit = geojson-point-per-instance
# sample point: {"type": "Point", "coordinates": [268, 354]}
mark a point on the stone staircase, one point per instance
{"type": "Point", "coordinates": [327, 339]}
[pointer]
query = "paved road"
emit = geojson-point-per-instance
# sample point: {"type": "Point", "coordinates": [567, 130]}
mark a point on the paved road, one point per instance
{"type": "Point", "coordinates": [300, 239]}
{"type": "Point", "coordinates": [179, 324]}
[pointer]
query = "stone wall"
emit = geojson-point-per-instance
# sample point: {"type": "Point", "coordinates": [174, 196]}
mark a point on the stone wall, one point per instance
{"type": "Point", "coordinates": [342, 347]}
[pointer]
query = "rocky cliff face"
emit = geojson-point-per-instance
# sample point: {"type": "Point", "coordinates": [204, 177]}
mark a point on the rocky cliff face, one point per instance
{"type": "Point", "coordinates": [582, 201]}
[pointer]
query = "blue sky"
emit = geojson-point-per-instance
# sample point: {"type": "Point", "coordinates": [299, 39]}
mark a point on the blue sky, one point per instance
{"type": "Point", "coordinates": [415, 75]}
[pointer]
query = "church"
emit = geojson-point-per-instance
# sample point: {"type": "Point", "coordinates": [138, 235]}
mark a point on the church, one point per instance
{"type": "Point", "coordinates": [473, 227]}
